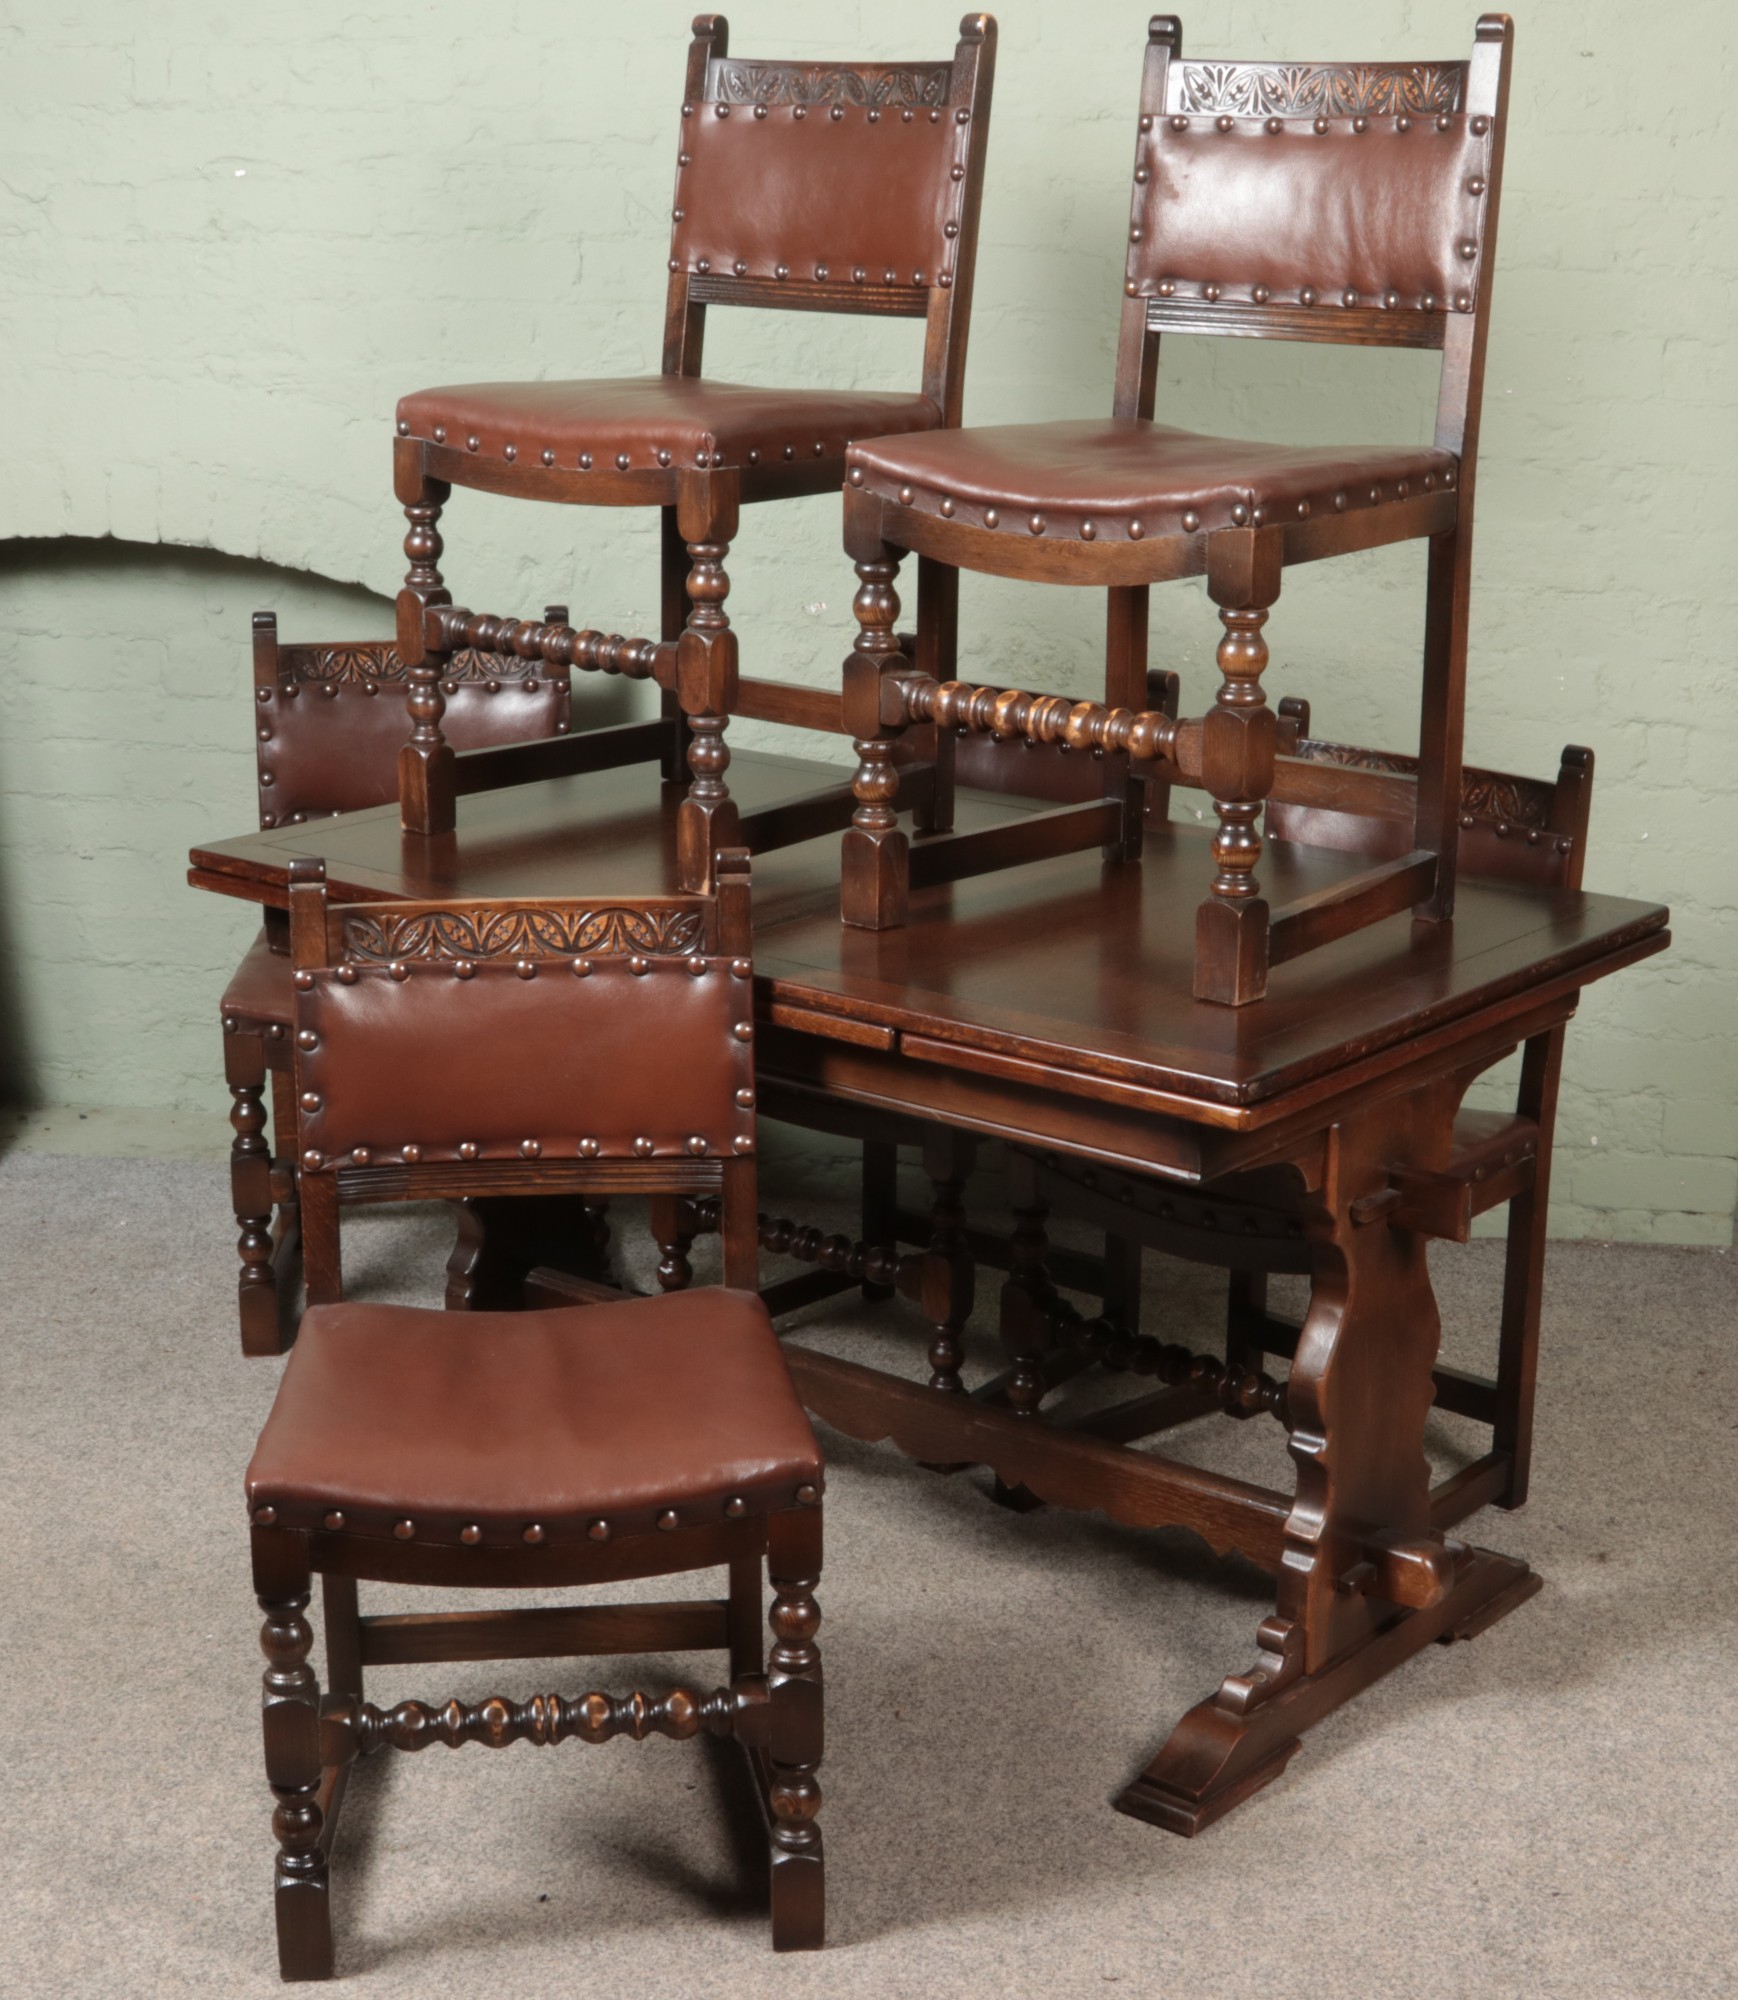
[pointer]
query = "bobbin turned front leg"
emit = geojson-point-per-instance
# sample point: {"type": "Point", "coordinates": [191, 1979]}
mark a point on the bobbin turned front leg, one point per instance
{"type": "Point", "coordinates": [1237, 752]}
{"type": "Point", "coordinates": [706, 674]}
{"type": "Point", "coordinates": [291, 1719]}
{"type": "Point", "coordinates": [426, 796]}
{"type": "Point", "coordinates": [874, 866]}
{"type": "Point", "coordinates": [795, 1732]}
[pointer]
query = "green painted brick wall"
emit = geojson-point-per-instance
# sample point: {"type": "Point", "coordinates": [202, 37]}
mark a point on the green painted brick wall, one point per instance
{"type": "Point", "coordinates": [230, 239]}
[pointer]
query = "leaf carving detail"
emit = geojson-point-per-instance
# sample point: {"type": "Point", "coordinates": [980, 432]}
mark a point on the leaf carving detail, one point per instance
{"type": "Point", "coordinates": [381, 665]}
{"type": "Point", "coordinates": [1309, 90]}
{"type": "Point", "coordinates": [597, 931]}
{"type": "Point", "coordinates": [915, 88]}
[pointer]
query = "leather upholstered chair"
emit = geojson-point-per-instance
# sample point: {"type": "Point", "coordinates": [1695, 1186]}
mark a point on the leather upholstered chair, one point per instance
{"type": "Point", "coordinates": [328, 725]}
{"type": "Point", "coordinates": [605, 1046]}
{"type": "Point", "coordinates": [815, 187]}
{"type": "Point", "coordinates": [1343, 203]}
{"type": "Point", "coordinates": [1525, 832]}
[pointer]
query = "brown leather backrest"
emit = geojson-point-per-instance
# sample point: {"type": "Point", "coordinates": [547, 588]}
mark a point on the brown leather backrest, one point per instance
{"type": "Point", "coordinates": [836, 187]}
{"type": "Point", "coordinates": [1527, 831]}
{"type": "Point", "coordinates": [532, 1032]}
{"type": "Point", "coordinates": [330, 720]}
{"type": "Point", "coordinates": [1334, 201]}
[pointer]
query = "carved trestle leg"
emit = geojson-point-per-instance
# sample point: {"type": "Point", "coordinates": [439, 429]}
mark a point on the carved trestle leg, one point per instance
{"type": "Point", "coordinates": [427, 801]}
{"type": "Point", "coordinates": [1237, 750]}
{"type": "Point", "coordinates": [795, 1735]}
{"type": "Point", "coordinates": [291, 1720]}
{"type": "Point", "coordinates": [706, 674]}
{"type": "Point", "coordinates": [874, 874]}
{"type": "Point", "coordinates": [250, 1182]}
{"type": "Point", "coordinates": [501, 1239]}
{"type": "Point", "coordinates": [1364, 1582]}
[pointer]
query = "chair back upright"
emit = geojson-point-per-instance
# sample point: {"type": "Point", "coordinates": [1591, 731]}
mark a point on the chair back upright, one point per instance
{"type": "Point", "coordinates": [603, 1045]}
{"type": "Point", "coordinates": [831, 187]}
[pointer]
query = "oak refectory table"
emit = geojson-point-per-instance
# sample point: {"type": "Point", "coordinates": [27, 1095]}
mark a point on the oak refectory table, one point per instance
{"type": "Point", "coordinates": [1050, 1005]}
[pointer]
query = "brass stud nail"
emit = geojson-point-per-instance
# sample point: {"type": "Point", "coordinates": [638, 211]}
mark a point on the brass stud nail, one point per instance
{"type": "Point", "coordinates": [856, 475]}
{"type": "Point", "coordinates": [1276, 124]}
{"type": "Point", "coordinates": [697, 1145]}
{"type": "Point", "coordinates": [1475, 186]}
{"type": "Point", "coordinates": [736, 1507]}
{"type": "Point", "coordinates": [743, 1143]}
{"type": "Point", "coordinates": [1141, 177]}
{"type": "Point", "coordinates": [781, 271]}
{"type": "Point", "coordinates": [1210, 293]}
{"type": "Point", "coordinates": [1191, 521]}
{"type": "Point", "coordinates": [412, 1156]}
{"type": "Point", "coordinates": [303, 981]}
{"type": "Point", "coordinates": [1448, 477]}
{"type": "Point", "coordinates": [589, 1149]}
{"type": "Point", "coordinates": [335, 1519]}
{"type": "Point", "coordinates": [533, 1533]}
{"type": "Point", "coordinates": [639, 966]}
{"type": "Point", "coordinates": [740, 267]}
{"type": "Point", "coordinates": [585, 461]}
{"type": "Point", "coordinates": [1443, 121]}
{"type": "Point", "coordinates": [1479, 127]}
{"type": "Point", "coordinates": [697, 968]}
{"type": "Point", "coordinates": [404, 1530]}
{"type": "Point", "coordinates": [1256, 517]}
{"type": "Point", "coordinates": [1177, 125]}
{"type": "Point", "coordinates": [1339, 503]}
{"type": "Point", "coordinates": [1348, 297]}
{"type": "Point", "coordinates": [944, 279]}
{"type": "Point", "coordinates": [820, 272]}
{"type": "Point", "coordinates": [1468, 250]}
{"type": "Point", "coordinates": [362, 1155]}
{"type": "Point", "coordinates": [1303, 510]}
{"type": "Point", "coordinates": [760, 111]}
{"type": "Point", "coordinates": [721, 110]}
{"type": "Point", "coordinates": [440, 433]}
{"type": "Point", "coordinates": [1131, 288]}
{"type": "Point", "coordinates": [753, 456]}
{"type": "Point", "coordinates": [1225, 124]}
{"type": "Point", "coordinates": [801, 112]}
{"type": "Point", "coordinates": [398, 969]}
{"type": "Point", "coordinates": [1390, 300]}
{"type": "Point", "coordinates": [403, 428]}
{"type": "Point", "coordinates": [962, 118]}
{"type": "Point", "coordinates": [311, 1100]}
{"type": "Point", "coordinates": [1403, 123]}
{"type": "Point", "coordinates": [954, 173]}
{"type": "Point", "coordinates": [265, 1516]}
{"type": "Point", "coordinates": [1136, 529]}
{"type": "Point", "coordinates": [275, 1032]}
{"type": "Point", "coordinates": [837, 113]}
{"type": "Point", "coordinates": [471, 1535]}
{"type": "Point", "coordinates": [874, 116]}
{"type": "Point", "coordinates": [464, 968]}
{"type": "Point", "coordinates": [599, 1531]}
{"type": "Point", "coordinates": [858, 275]}
{"type": "Point", "coordinates": [1167, 286]}
{"type": "Point", "coordinates": [1375, 495]}
{"type": "Point", "coordinates": [621, 461]}
{"type": "Point", "coordinates": [510, 451]}
{"type": "Point", "coordinates": [307, 1039]}
{"type": "Point", "coordinates": [644, 1148]}
{"type": "Point", "coordinates": [531, 1148]}
{"type": "Point", "coordinates": [740, 968]}
{"type": "Point", "coordinates": [313, 1161]}
{"type": "Point", "coordinates": [669, 1519]}
{"type": "Point", "coordinates": [808, 1495]}
{"type": "Point", "coordinates": [790, 451]}
{"type": "Point", "coordinates": [347, 975]}
{"type": "Point", "coordinates": [991, 518]}
{"type": "Point", "coordinates": [1463, 302]}
{"type": "Point", "coordinates": [1146, 121]}
{"type": "Point", "coordinates": [1405, 488]}
{"type": "Point", "coordinates": [905, 117]}
{"type": "Point", "coordinates": [468, 1149]}
{"type": "Point", "coordinates": [947, 507]}
{"type": "Point", "coordinates": [1261, 295]}
{"type": "Point", "coordinates": [1307, 297]}
{"type": "Point", "coordinates": [470, 444]}
{"type": "Point", "coordinates": [549, 458]}
{"type": "Point", "coordinates": [1360, 124]}
{"type": "Point", "coordinates": [905, 496]}
{"type": "Point", "coordinates": [663, 455]}
{"type": "Point", "coordinates": [1240, 514]}
{"type": "Point", "coordinates": [1036, 524]}
{"type": "Point", "coordinates": [743, 1031]}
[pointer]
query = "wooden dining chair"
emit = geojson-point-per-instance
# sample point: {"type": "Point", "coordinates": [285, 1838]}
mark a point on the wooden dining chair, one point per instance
{"type": "Point", "coordinates": [328, 723]}
{"type": "Point", "coordinates": [443, 1049]}
{"type": "Point", "coordinates": [800, 186]}
{"type": "Point", "coordinates": [1515, 831]}
{"type": "Point", "coordinates": [1353, 204]}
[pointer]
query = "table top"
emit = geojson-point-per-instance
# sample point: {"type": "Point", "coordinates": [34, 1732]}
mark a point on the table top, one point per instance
{"type": "Point", "coordinates": [1079, 968]}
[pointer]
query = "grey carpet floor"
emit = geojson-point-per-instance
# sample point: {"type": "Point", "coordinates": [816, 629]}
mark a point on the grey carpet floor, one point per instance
{"type": "Point", "coordinates": [1547, 1811]}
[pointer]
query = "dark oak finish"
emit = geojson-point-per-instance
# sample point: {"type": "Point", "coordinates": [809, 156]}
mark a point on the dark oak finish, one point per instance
{"type": "Point", "coordinates": [1053, 1008]}
{"type": "Point", "coordinates": [1349, 204]}
{"type": "Point", "coordinates": [817, 187]}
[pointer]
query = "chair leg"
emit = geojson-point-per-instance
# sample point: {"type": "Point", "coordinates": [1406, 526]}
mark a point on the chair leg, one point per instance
{"type": "Point", "coordinates": [250, 1182]}
{"type": "Point", "coordinates": [1524, 1272]}
{"type": "Point", "coordinates": [880, 1202]}
{"type": "Point", "coordinates": [747, 1656]}
{"type": "Point", "coordinates": [946, 1273]}
{"type": "Point", "coordinates": [796, 1733]}
{"type": "Point", "coordinates": [291, 1717]}
{"type": "Point", "coordinates": [427, 800]}
{"type": "Point", "coordinates": [674, 1228]}
{"type": "Point", "coordinates": [706, 675]}
{"type": "Point", "coordinates": [875, 878]}
{"type": "Point", "coordinates": [342, 1619]}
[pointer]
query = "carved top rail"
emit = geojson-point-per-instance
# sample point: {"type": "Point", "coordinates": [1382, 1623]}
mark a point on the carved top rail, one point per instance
{"type": "Point", "coordinates": [397, 933]}
{"type": "Point", "coordinates": [1316, 89]}
{"type": "Point", "coordinates": [896, 86]}
{"type": "Point", "coordinates": [377, 663]}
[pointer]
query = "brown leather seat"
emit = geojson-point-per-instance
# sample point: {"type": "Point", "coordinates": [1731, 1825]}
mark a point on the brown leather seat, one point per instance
{"type": "Point", "coordinates": [583, 1423]}
{"type": "Point", "coordinates": [643, 422]}
{"type": "Point", "coordinates": [1124, 476]}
